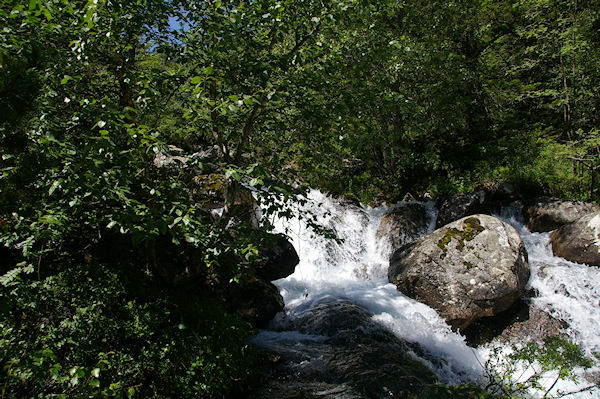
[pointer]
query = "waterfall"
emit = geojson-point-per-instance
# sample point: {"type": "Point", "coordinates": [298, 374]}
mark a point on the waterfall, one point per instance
{"type": "Point", "coordinates": [355, 268]}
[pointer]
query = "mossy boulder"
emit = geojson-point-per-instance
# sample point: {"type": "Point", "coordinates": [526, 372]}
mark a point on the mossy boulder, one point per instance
{"type": "Point", "coordinates": [472, 268]}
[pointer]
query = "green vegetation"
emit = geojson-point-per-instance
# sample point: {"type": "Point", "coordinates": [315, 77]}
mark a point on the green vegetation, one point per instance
{"type": "Point", "coordinates": [90, 331]}
{"type": "Point", "coordinates": [532, 365]}
{"type": "Point", "coordinates": [105, 258]}
{"type": "Point", "coordinates": [472, 227]}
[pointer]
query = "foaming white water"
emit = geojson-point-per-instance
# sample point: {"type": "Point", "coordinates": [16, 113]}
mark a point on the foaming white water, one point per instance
{"type": "Point", "coordinates": [567, 290]}
{"type": "Point", "coordinates": [356, 269]}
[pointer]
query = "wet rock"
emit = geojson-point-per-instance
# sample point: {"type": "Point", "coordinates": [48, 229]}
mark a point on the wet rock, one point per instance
{"type": "Point", "coordinates": [460, 205]}
{"type": "Point", "coordinates": [344, 354]}
{"type": "Point", "coordinates": [351, 207]}
{"type": "Point", "coordinates": [349, 202]}
{"type": "Point", "coordinates": [306, 390]}
{"type": "Point", "coordinates": [330, 318]}
{"type": "Point", "coordinates": [537, 325]}
{"type": "Point", "coordinates": [579, 241]}
{"type": "Point", "coordinates": [403, 224]}
{"type": "Point", "coordinates": [276, 259]}
{"type": "Point", "coordinates": [486, 329]}
{"type": "Point", "coordinates": [471, 268]}
{"type": "Point", "coordinates": [547, 214]}
{"type": "Point", "coordinates": [257, 301]}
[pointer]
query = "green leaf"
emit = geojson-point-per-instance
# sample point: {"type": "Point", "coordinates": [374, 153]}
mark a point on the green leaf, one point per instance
{"type": "Point", "coordinates": [196, 80]}
{"type": "Point", "coordinates": [54, 186]}
{"type": "Point", "coordinates": [96, 372]}
{"type": "Point", "coordinates": [46, 13]}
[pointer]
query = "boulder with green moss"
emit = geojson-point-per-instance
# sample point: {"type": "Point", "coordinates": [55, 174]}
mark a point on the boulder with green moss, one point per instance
{"type": "Point", "coordinates": [468, 269]}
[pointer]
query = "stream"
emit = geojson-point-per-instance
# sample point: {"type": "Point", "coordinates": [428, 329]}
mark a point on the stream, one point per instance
{"type": "Point", "coordinates": [355, 269]}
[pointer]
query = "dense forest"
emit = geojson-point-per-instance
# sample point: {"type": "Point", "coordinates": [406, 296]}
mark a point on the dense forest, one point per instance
{"type": "Point", "coordinates": [104, 255]}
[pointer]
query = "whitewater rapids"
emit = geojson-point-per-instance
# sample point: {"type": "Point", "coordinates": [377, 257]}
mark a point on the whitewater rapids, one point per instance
{"type": "Point", "coordinates": [355, 268]}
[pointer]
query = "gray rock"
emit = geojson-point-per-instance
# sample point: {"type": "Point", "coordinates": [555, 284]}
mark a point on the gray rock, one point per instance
{"type": "Point", "coordinates": [172, 156]}
{"type": "Point", "coordinates": [348, 356]}
{"type": "Point", "coordinates": [579, 241]}
{"type": "Point", "coordinates": [538, 326]}
{"type": "Point", "coordinates": [471, 268]}
{"type": "Point", "coordinates": [547, 214]}
{"type": "Point", "coordinates": [403, 224]}
{"type": "Point", "coordinates": [460, 205]}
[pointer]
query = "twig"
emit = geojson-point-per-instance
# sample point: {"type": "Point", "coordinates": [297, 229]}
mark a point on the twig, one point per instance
{"type": "Point", "coordinates": [552, 386]}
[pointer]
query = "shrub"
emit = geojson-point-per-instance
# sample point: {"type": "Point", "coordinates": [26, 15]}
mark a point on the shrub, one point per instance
{"type": "Point", "coordinates": [80, 333]}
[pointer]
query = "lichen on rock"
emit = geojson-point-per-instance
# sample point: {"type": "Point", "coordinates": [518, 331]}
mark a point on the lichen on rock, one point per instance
{"type": "Point", "coordinates": [471, 227]}
{"type": "Point", "coordinates": [468, 269]}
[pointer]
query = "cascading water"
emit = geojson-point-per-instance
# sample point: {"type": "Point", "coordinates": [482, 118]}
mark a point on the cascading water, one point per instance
{"type": "Point", "coordinates": [568, 291]}
{"type": "Point", "coordinates": [355, 269]}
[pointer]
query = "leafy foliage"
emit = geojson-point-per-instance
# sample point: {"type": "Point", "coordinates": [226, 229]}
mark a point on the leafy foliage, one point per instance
{"type": "Point", "coordinates": [370, 99]}
{"type": "Point", "coordinates": [88, 332]}
{"type": "Point", "coordinates": [530, 367]}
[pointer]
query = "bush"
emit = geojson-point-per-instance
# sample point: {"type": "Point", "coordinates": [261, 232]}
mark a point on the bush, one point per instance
{"type": "Point", "coordinates": [80, 334]}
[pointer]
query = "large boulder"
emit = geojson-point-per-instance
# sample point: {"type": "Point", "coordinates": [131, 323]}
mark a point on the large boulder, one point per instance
{"type": "Point", "coordinates": [547, 214]}
{"type": "Point", "coordinates": [460, 205]}
{"type": "Point", "coordinates": [471, 268]}
{"type": "Point", "coordinates": [342, 353]}
{"type": "Point", "coordinates": [403, 224]}
{"type": "Point", "coordinates": [579, 241]}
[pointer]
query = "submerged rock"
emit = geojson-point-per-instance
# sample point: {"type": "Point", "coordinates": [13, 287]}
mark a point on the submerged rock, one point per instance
{"type": "Point", "coordinates": [342, 353]}
{"type": "Point", "coordinates": [403, 224]}
{"type": "Point", "coordinates": [579, 241]}
{"type": "Point", "coordinates": [547, 214]}
{"type": "Point", "coordinates": [471, 268]}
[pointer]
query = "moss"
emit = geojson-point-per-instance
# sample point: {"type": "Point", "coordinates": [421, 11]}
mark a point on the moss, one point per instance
{"type": "Point", "coordinates": [472, 227]}
{"type": "Point", "coordinates": [213, 182]}
{"type": "Point", "coordinates": [468, 265]}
